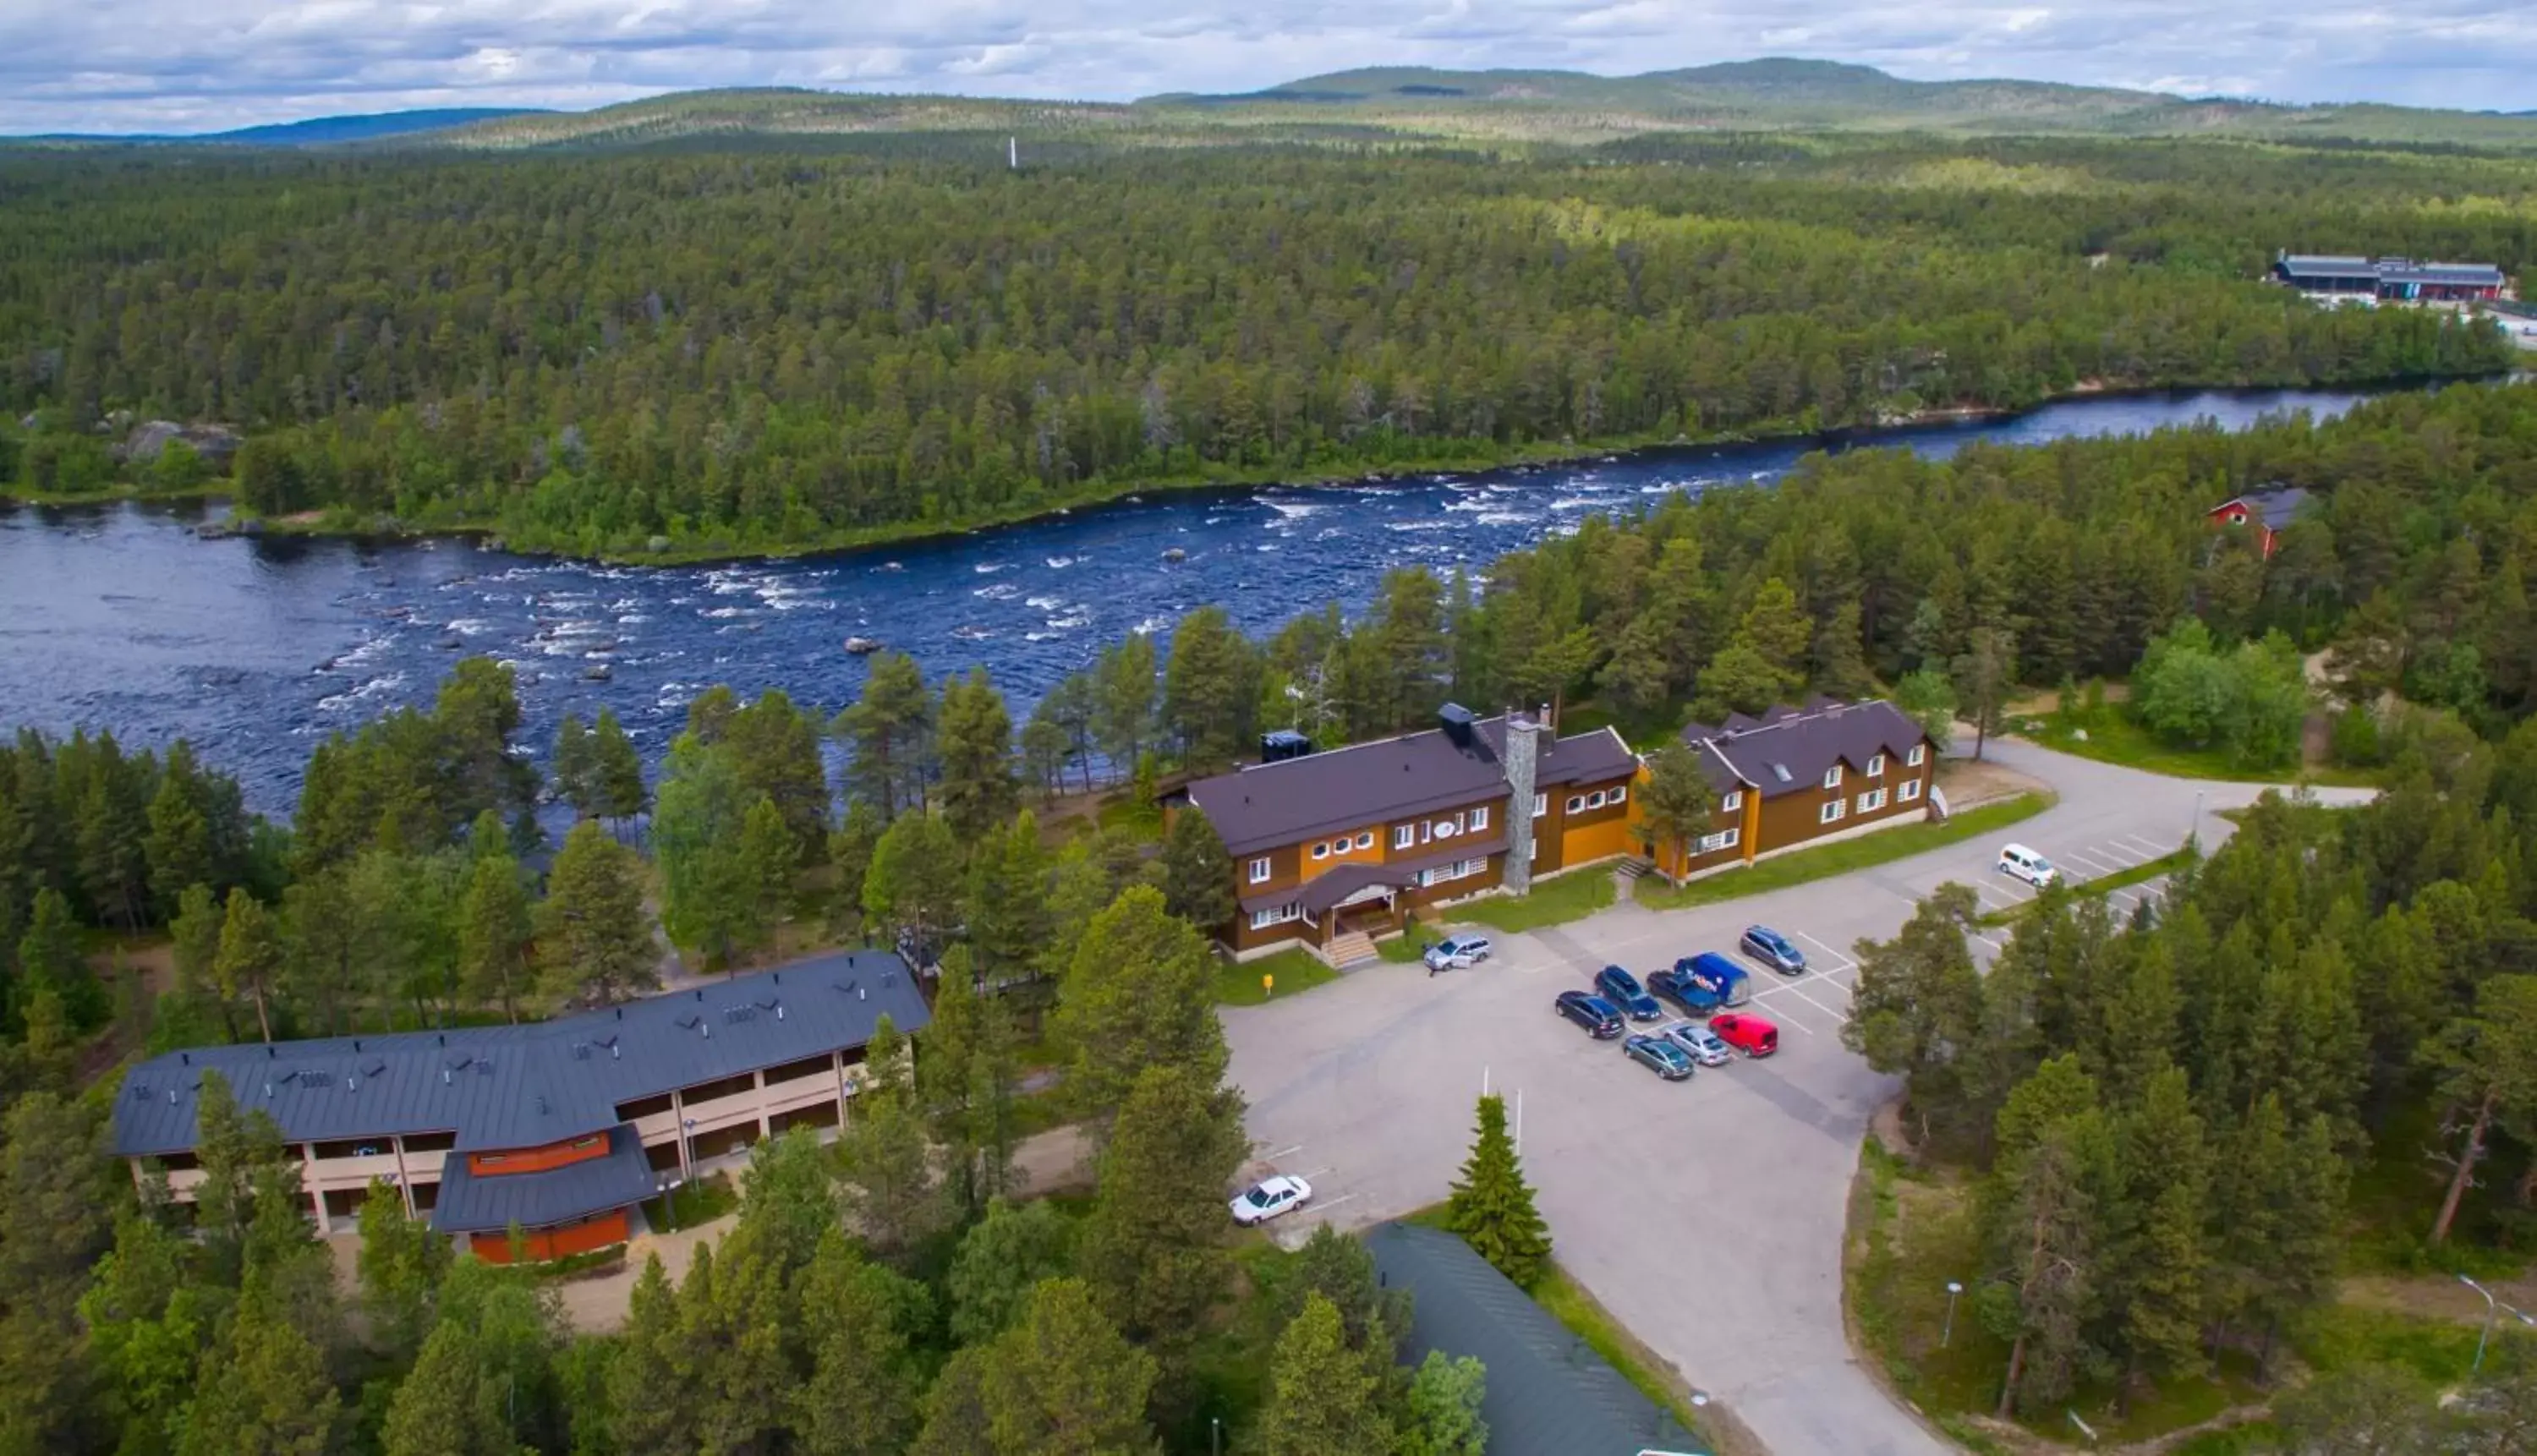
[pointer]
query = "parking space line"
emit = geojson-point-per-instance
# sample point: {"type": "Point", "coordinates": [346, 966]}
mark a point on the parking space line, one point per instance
{"type": "Point", "coordinates": [1847, 964]}
{"type": "Point", "coordinates": [2108, 864]}
{"type": "Point", "coordinates": [2123, 855]}
{"type": "Point", "coordinates": [2147, 849]}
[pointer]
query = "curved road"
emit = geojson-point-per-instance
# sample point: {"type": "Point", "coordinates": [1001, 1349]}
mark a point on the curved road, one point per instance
{"type": "Point", "coordinates": [1707, 1217]}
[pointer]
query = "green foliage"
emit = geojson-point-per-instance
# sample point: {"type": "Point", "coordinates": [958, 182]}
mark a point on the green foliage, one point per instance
{"type": "Point", "coordinates": [1001, 1259]}
{"type": "Point", "coordinates": [912, 887]}
{"type": "Point", "coordinates": [1135, 997]}
{"type": "Point", "coordinates": [1198, 873]}
{"type": "Point", "coordinates": [594, 941]}
{"type": "Point", "coordinates": [1491, 1206]}
{"type": "Point", "coordinates": [1917, 1008]}
{"type": "Point", "coordinates": [886, 729]}
{"type": "Point", "coordinates": [1323, 1399]}
{"type": "Point", "coordinates": [2250, 702]}
{"type": "Point", "coordinates": [974, 741]}
{"type": "Point", "coordinates": [1152, 1247]}
{"type": "Point", "coordinates": [1441, 1416]}
{"type": "Point", "coordinates": [1062, 1382]}
{"type": "Point", "coordinates": [1675, 803]}
{"type": "Point", "coordinates": [1930, 700]}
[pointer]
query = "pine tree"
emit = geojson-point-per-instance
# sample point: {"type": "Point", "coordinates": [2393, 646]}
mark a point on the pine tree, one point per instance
{"type": "Point", "coordinates": [912, 888]}
{"type": "Point", "coordinates": [1675, 806]}
{"type": "Point", "coordinates": [1491, 1205]}
{"type": "Point", "coordinates": [1210, 687]}
{"type": "Point", "coordinates": [400, 1268]}
{"type": "Point", "coordinates": [1137, 996]}
{"type": "Point", "coordinates": [494, 933]}
{"type": "Point", "coordinates": [850, 852]}
{"type": "Point", "coordinates": [1198, 873]}
{"type": "Point", "coordinates": [52, 960]}
{"type": "Point", "coordinates": [194, 937]}
{"type": "Point", "coordinates": [966, 1084]}
{"type": "Point", "coordinates": [766, 855]}
{"type": "Point", "coordinates": [1984, 676]}
{"type": "Point", "coordinates": [1323, 1399]}
{"type": "Point", "coordinates": [647, 1380]}
{"type": "Point", "coordinates": [1001, 1257]}
{"type": "Point", "coordinates": [444, 1406]}
{"type": "Point", "coordinates": [1153, 1244]}
{"type": "Point", "coordinates": [732, 1338]}
{"type": "Point", "coordinates": [1916, 1006]}
{"type": "Point", "coordinates": [1927, 698]}
{"type": "Point", "coordinates": [886, 733]}
{"type": "Point", "coordinates": [594, 940]}
{"type": "Point", "coordinates": [2048, 1260]}
{"type": "Point", "coordinates": [574, 766]}
{"type": "Point", "coordinates": [862, 1394]}
{"type": "Point", "coordinates": [709, 897]}
{"type": "Point", "coordinates": [974, 740]}
{"type": "Point", "coordinates": [263, 1389]}
{"type": "Point", "coordinates": [615, 770]}
{"type": "Point", "coordinates": [2155, 1279]}
{"type": "Point", "coordinates": [1123, 700]}
{"type": "Point", "coordinates": [250, 957]}
{"type": "Point", "coordinates": [178, 850]}
{"type": "Point", "coordinates": [1062, 1382]}
{"type": "Point", "coordinates": [2487, 1065]}
{"type": "Point", "coordinates": [1007, 900]}
{"type": "Point", "coordinates": [892, 1194]}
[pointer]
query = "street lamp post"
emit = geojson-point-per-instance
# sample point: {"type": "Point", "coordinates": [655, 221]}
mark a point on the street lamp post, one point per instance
{"type": "Point", "coordinates": [2194, 835]}
{"type": "Point", "coordinates": [1949, 1332]}
{"type": "Point", "coordinates": [2492, 1307]}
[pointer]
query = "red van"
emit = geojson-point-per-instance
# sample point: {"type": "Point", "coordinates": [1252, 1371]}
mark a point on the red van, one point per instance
{"type": "Point", "coordinates": [1750, 1034]}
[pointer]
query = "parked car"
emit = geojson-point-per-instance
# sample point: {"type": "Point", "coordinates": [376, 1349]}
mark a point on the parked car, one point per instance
{"type": "Point", "coordinates": [1657, 1055]}
{"type": "Point", "coordinates": [2019, 862]}
{"type": "Point", "coordinates": [1701, 1043]}
{"type": "Point", "coordinates": [1768, 947]}
{"type": "Point", "coordinates": [1460, 954]}
{"type": "Point", "coordinates": [1598, 1016]}
{"type": "Point", "coordinates": [1750, 1034]}
{"type": "Point", "coordinates": [1270, 1197]}
{"type": "Point", "coordinates": [1720, 974]}
{"type": "Point", "coordinates": [1686, 990]}
{"type": "Point", "coordinates": [1622, 989]}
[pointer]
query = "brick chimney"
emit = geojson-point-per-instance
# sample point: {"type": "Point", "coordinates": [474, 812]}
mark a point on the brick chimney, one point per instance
{"type": "Point", "coordinates": [1523, 754]}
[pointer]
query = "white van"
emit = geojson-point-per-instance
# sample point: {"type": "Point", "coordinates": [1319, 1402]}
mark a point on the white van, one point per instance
{"type": "Point", "coordinates": [2023, 863]}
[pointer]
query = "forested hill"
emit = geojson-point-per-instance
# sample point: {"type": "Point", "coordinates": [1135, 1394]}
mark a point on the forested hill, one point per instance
{"type": "Point", "coordinates": [747, 350]}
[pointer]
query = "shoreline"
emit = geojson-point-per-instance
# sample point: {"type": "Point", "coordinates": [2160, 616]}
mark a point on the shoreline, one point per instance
{"type": "Point", "coordinates": [314, 526]}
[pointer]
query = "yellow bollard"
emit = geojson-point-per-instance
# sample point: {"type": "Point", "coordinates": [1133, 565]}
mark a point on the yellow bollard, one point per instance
{"type": "Point", "coordinates": [1267, 986]}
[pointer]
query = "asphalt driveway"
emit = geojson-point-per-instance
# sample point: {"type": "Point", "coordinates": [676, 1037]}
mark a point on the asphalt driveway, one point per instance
{"type": "Point", "coordinates": [1707, 1216]}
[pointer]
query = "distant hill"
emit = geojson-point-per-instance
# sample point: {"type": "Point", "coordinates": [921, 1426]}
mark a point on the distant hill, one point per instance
{"type": "Point", "coordinates": [320, 131]}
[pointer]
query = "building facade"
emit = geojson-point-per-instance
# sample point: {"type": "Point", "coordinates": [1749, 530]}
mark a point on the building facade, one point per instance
{"type": "Point", "coordinates": [557, 1128]}
{"type": "Point", "coordinates": [1796, 777]}
{"type": "Point", "coordinates": [1331, 846]}
{"type": "Point", "coordinates": [2264, 512]}
{"type": "Point", "coordinates": [2388, 280]}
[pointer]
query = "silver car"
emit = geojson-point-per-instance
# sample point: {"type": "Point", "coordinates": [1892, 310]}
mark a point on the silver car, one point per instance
{"type": "Point", "coordinates": [1459, 954]}
{"type": "Point", "coordinates": [1703, 1044]}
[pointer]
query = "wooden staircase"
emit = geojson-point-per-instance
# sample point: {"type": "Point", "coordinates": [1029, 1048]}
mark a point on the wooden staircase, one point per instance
{"type": "Point", "coordinates": [1349, 949]}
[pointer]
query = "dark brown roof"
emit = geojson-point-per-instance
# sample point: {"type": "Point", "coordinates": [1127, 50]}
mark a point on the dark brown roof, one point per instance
{"type": "Point", "coordinates": [1789, 748]}
{"type": "Point", "coordinates": [1268, 804]}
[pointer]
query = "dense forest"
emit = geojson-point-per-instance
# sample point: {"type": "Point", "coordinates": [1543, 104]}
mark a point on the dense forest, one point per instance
{"type": "Point", "coordinates": [760, 349]}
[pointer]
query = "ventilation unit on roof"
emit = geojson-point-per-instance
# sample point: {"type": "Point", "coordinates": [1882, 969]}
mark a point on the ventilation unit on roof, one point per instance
{"type": "Point", "coordinates": [739, 1013]}
{"type": "Point", "coordinates": [1780, 771]}
{"type": "Point", "coordinates": [581, 1051]}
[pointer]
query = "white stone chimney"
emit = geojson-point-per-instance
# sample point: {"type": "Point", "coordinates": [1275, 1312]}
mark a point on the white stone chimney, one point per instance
{"type": "Point", "coordinates": [1523, 756]}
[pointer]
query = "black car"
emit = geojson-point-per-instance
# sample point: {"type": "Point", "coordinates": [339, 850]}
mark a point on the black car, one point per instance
{"type": "Point", "coordinates": [1764, 946]}
{"type": "Point", "coordinates": [1622, 989]}
{"type": "Point", "coordinates": [1589, 1011]}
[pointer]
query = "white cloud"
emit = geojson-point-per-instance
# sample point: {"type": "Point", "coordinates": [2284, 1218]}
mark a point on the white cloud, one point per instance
{"type": "Point", "coordinates": [182, 65]}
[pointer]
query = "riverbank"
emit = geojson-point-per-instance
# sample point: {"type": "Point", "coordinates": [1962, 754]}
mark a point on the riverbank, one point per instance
{"type": "Point", "coordinates": [661, 551]}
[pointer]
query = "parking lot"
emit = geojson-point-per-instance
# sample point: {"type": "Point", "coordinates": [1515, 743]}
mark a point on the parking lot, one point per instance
{"type": "Point", "coordinates": [1706, 1215]}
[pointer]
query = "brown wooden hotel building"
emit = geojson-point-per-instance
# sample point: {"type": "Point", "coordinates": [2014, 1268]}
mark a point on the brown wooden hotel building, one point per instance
{"type": "Point", "coordinates": [1796, 776]}
{"type": "Point", "coordinates": [1347, 842]}
{"type": "Point", "coordinates": [557, 1128]}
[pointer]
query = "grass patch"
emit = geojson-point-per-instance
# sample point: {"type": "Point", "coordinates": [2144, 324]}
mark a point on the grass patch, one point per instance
{"type": "Point", "coordinates": [2113, 737]}
{"type": "Point", "coordinates": [1843, 856]}
{"type": "Point", "coordinates": [1555, 901]}
{"type": "Point", "coordinates": [2103, 884]}
{"type": "Point", "coordinates": [698, 1201]}
{"type": "Point", "coordinates": [1122, 811]}
{"type": "Point", "coordinates": [1589, 1321]}
{"type": "Point", "coordinates": [1238, 983]}
{"type": "Point", "coordinates": [2339, 1337]}
{"type": "Point", "coordinates": [1403, 950]}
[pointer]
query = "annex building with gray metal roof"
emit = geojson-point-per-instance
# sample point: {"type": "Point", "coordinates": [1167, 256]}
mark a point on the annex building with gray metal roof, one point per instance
{"type": "Point", "coordinates": [544, 1125]}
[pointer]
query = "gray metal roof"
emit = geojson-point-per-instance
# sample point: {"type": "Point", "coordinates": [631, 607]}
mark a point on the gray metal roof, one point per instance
{"type": "Point", "coordinates": [1549, 1394]}
{"type": "Point", "coordinates": [469, 1203]}
{"type": "Point", "coordinates": [1788, 749]}
{"type": "Point", "coordinates": [2326, 265]}
{"type": "Point", "coordinates": [2387, 270]}
{"type": "Point", "coordinates": [1266, 806]}
{"type": "Point", "coordinates": [525, 1086]}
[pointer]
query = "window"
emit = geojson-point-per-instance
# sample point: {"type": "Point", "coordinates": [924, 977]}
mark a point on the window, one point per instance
{"type": "Point", "coordinates": [1480, 818]}
{"type": "Point", "coordinates": [1365, 838]}
{"type": "Point", "coordinates": [1732, 803]}
{"type": "Point", "coordinates": [1620, 792]}
{"type": "Point", "coordinates": [1276, 914]}
{"type": "Point", "coordinates": [1595, 800]}
{"type": "Point", "coordinates": [1833, 811]}
{"type": "Point", "coordinates": [1724, 839]}
{"type": "Point", "coordinates": [1540, 805]}
{"type": "Point", "coordinates": [1872, 801]}
{"type": "Point", "coordinates": [1919, 752]}
{"type": "Point", "coordinates": [1403, 836]}
{"type": "Point", "coordinates": [1320, 852]}
{"type": "Point", "coordinates": [1260, 870]}
{"type": "Point", "coordinates": [1910, 790]}
{"type": "Point", "coordinates": [1876, 767]}
{"type": "Point", "coordinates": [1577, 803]}
{"type": "Point", "coordinates": [1533, 851]}
{"type": "Point", "coordinates": [1831, 777]}
{"type": "Point", "coordinates": [1458, 871]}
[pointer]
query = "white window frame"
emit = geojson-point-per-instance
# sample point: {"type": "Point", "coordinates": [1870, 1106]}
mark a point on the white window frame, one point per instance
{"type": "Point", "coordinates": [1732, 804]}
{"type": "Point", "coordinates": [1872, 801]}
{"type": "Point", "coordinates": [1540, 805]}
{"type": "Point", "coordinates": [1480, 818]}
{"type": "Point", "coordinates": [1620, 794]}
{"type": "Point", "coordinates": [1403, 836]}
{"type": "Point", "coordinates": [1533, 851]}
{"type": "Point", "coordinates": [1831, 777]}
{"type": "Point", "coordinates": [1595, 800]}
{"type": "Point", "coordinates": [1365, 838]}
{"type": "Point", "coordinates": [1322, 850]}
{"type": "Point", "coordinates": [1724, 839]}
{"type": "Point", "coordinates": [1260, 870]}
{"type": "Point", "coordinates": [1577, 803]}
{"type": "Point", "coordinates": [1833, 811]}
{"type": "Point", "coordinates": [1910, 790]}
{"type": "Point", "coordinates": [1276, 914]}
{"type": "Point", "coordinates": [1876, 765]}
{"type": "Point", "coordinates": [1920, 753]}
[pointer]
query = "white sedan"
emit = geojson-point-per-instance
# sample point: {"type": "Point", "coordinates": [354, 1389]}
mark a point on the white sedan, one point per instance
{"type": "Point", "coordinates": [1271, 1197]}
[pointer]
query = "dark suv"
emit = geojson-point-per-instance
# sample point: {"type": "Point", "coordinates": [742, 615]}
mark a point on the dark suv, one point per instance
{"type": "Point", "coordinates": [1589, 1011]}
{"type": "Point", "coordinates": [1622, 989]}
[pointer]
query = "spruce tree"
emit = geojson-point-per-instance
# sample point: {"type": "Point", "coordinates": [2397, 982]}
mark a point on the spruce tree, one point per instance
{"type": "Point", "coordinates": [860, 1323]}
{"type": "Point", "coordinates": [1154, 1245]}
{"type": "Point", "coordinates": [249, 958]}
{"type": "Point", "coordinates": [1323, 1399]}
{"type": "Point", "coordinates": [1007, 900]}
{"type": "Point", "coordinates": [974, 744]}
{"type": "Point", "coordinates": [494, 933]}
{"type": "Point", "coordinates": [594, 938]}
{"type": "Point", "coordinates": [1137, 997]}
{"type": "Point", "coordinates": [1062, 1382]}
{"type": "Point", "coordinates": [615, 770]}
{"type": "Point", "coordinates": [1198, 873]}
{"type": "Point", "coordinates": [445, 1406]}
{"type": "Point", "coordinates": [1001, 1257]}
{"type": "Point", "coordinates": [50, 959]}
{"type": "Point", "coordinates": [886, 733]}
{"type": "Point", "coordinates": [398, 1268]}
{"type": "Point", "coordinates": [1491, 1205]}
{"type": "Point", "coordinates": [573, 767]}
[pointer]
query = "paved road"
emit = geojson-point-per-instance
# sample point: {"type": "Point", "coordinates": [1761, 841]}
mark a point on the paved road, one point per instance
{"type": "Point", "coordinates": [1707, 1216]}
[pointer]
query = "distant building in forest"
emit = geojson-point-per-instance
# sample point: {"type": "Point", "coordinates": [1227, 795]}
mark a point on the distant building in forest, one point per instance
{"type": "Point", "coordinates": [2388, 280]}
{"type": "Point", "coordinates": [2267, 510]}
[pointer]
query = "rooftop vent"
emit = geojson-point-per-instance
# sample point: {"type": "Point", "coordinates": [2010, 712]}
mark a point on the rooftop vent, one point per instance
{"type": "Point", "coordinates": [462, 1063]}
{"type": "Point", "coordinates": [375, 1068]}
{"type": "Point", "coordinates": [581, 1051]}
{"type": "Point", "coordinates": [1780, 771]}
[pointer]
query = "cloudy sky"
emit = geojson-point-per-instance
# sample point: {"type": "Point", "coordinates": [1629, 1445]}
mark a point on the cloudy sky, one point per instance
{"type": "Point", "coordinates": [200, 65]}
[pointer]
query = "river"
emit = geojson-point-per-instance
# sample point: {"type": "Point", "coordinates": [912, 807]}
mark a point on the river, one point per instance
{"type": "Point", "coordinates": [118, 616]}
